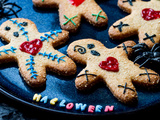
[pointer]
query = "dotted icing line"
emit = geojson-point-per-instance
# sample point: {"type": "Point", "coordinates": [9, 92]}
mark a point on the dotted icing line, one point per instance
{"type": "Point", "coordinates": [50, 35]}
{"type": "Point", "coordinates": [6, 50]}
{"type": "Point", "coordinates": [52, 56]}
{"type": "Point", "coordinates": [31, 63]}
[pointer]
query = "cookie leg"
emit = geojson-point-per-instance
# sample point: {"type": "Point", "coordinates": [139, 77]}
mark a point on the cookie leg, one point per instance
{"type": "Point", "coordinates": [149, 34]}
{"type": "Point", "coordinates": [95, 16]}
{"type": "Point", "coordinates": [69, 21]}
{"type": "Point", "coordinates": [7, 54]}
{"type": "Point", "coordinates": [145, 77]}
{"type": "Point", "coordinates": [33, 73]}
{"type": "Point", "coordinates": [126, 5]}
{"type": "Point", "coordinates": [86, 79]}
{"type": "Point", "coordinates": [123, 28]}
{"type": "Point", "coordinates": [122, 89]}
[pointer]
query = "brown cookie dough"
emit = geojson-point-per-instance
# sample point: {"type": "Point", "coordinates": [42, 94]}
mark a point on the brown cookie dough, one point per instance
{"type": "Point", "coordinates": [143, 20]}
{"type": "Point", "coordinates": [71, 11]}
{"type": "Point", "coordinates": [34, 51]}
{"type": "Point", "coordinates": [112, 67]}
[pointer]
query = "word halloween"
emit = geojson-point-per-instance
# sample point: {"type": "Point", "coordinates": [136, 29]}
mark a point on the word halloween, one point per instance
{"type": "Point", "coordinates": [78, 106]}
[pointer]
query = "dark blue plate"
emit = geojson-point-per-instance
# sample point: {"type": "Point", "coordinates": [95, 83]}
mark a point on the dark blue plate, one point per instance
{"type": "Point", "coordinates": [13, 85]}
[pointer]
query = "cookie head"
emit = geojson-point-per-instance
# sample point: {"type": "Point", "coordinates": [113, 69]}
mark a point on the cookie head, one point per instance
{"type": "Point", "coordinates": [8, 29]}
{"type": "Point", "coordinates": [84, 50]}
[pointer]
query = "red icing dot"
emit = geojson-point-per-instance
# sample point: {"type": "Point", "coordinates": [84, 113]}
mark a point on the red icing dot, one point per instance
{"type": "Point", "coordinates": [76, 2]}
{"type": "Point", "coordinates": [150, 14]}
{"type": "Point", "coordinates": [32, 47]}
{"type": "Point", "coordinates": [111, 64]}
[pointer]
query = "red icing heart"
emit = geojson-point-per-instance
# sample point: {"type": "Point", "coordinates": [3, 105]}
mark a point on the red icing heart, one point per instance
{"type": "Point", "coordinates": [150, 14]}
{"type": "Point", "coordinates": [32, 47]}
{"type": "Point", "coordinates": [111, 64]}
{"type": "Point", "coordinates": [76, 2]}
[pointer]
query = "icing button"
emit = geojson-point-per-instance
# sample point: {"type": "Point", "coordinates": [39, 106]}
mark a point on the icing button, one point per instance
{"type": "Point", "coordinates": [16, 34]}
{"type": "Point", "coordinates": [7, 28]}
{"type": "Point", "coordinates": [24, 23]}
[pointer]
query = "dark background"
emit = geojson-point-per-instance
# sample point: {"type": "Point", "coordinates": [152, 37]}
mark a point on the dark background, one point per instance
{"type": "Point", "coordinates": [15, 92]}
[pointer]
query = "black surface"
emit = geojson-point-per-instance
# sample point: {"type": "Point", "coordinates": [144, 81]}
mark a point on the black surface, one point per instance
{"type": "Point", "coordinates": [61, 87]}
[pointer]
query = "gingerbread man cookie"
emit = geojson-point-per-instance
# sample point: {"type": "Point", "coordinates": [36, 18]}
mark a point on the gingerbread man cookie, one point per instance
{"type": "Point", "coordinates": [111, 66]}
{"type": "Point", "coordinates": [34, 51]}
{"type": "Point", "coordinates": [71, 11]}
{"type": "Point", "coordinates": [144, 20]}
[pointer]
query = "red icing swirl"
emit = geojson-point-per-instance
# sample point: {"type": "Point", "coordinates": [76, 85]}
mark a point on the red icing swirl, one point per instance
{"type": "Point", "coordinates": [150, 14]}
{"type": "Point", "coordinates": [111, 64]}
{"type": "Point", "coordinates": [32, 47]}
{"type": "Point", "coordinates": [76, 2]}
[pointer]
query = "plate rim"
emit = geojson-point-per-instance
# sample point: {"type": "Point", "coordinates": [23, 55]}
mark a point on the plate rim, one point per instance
{"type": "Point", "coordinates": [11, 96]}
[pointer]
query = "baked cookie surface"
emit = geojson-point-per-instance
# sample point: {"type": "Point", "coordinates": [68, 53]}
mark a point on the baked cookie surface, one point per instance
{"type": "Point", "coordinates": [143, 20]}
{"type": "Point", "coordinates": [63, 87]}
{"type": "Point", "coordinates": [111, 66]}
{"type": "Point", "coordinates": [34, 51]}
{"type": "Point", "coordinates": [71, 12]}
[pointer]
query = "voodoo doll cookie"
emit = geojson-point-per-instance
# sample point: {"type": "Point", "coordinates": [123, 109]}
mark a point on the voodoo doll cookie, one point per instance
{"type": "Point", "coordinates": [143, 20]}
{"type": "Point", "coordinates": [71, 11]}
{"type": "Point", "coordinates": [34, 51]}
{"type": "Point", "coordinates": [111, 66]}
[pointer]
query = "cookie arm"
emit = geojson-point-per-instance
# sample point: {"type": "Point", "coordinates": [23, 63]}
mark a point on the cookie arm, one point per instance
{"type": "Point", "coordinates": [145, 77]}
{"type": "Point", "coordinates": [86, 79]}
{"type": "Point", "coordinates": [8, 54]}
{"type": "Point", "coordinates": [150, 35]}
{"type": "Point", "coordinates": [57, 62]}
{"type": "Point", "coordinates": [126, 47]}
{"type": "Point", "coordinates": [64, 66]}
{"type": "Point", "coordinates": [125, 5]}
{"type": "Point", "coordinates": [60, 37]}
{"type": "Point", "coordinates": [123, 28]}
{"type": "Point", "coordinates": [55, 38]}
